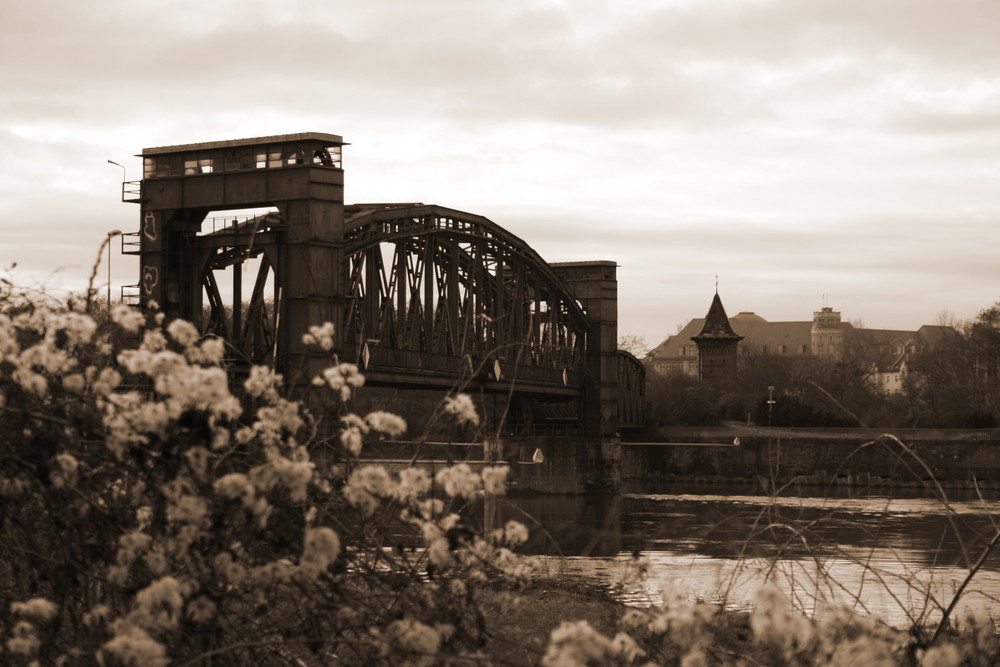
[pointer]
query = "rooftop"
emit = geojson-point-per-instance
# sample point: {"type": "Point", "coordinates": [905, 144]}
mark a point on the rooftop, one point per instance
{"type": "Point", "coordinates": [717, 324]}
{"type": "Point", "coordinates": [328, 139]}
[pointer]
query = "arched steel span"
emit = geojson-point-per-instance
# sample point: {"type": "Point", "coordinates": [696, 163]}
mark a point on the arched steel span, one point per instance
{"type": "Point", "coordinates": [437, 294]}
{"type": "Point", "coordinates": [248, 328]}
{"type": "Point", "coordinates": [631, 390]}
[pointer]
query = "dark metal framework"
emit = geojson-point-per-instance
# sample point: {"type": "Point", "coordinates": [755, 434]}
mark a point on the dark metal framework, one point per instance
{"type": "Point", "coordinates": [250, 333]}
{"type": "Point", "coordinates": [436, 293]}
{"type": "Point", "coordinates": [421, 296]}
{"type": "Point", "coordinates": [631, 391]}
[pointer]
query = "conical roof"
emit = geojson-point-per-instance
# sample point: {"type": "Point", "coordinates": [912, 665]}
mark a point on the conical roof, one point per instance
{"type": "Point", "coordinates": [717, 326]}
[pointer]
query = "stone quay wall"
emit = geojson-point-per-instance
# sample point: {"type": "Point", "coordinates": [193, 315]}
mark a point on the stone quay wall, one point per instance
{"type": "Point", "coordinates": [859, 457]}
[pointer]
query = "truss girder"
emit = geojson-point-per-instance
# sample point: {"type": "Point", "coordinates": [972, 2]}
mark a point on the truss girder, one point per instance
{"type": "Point", "coordinates": [631, 390]}
{"type": "Point", "coordinates": [428, 283]}
{"type": "Point", "coordinates": [249, 328]}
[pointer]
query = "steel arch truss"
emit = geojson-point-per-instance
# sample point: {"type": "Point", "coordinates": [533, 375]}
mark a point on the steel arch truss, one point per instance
{"type": "Point", "coordinates": [438, 294]}
{"type": "Point", "coordinates": [249, 328]}
{"type": "Point", "coordinates": [631, 390]}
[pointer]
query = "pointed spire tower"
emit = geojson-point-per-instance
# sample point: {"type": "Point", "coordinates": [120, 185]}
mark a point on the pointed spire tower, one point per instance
{"type": "Point", "coordinates": [717, 345]}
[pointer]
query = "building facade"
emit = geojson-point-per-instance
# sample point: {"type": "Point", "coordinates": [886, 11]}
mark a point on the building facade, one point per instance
{"type": "Point", "coordinates": [885, 352]}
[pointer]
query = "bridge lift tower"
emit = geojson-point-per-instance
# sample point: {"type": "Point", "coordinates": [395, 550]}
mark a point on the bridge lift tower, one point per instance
{"type": "Point", "coordinates": [301, 177]}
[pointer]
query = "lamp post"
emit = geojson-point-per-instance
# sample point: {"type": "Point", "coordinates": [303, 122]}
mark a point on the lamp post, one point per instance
{"type": "Point", "coordinates": [770, 403]}
{"type": "Point", "coordinates": [119, 165]}
{"type": "Point", "coordinates": [124, 176]}
{"type": "Point", "coordinates": [113, 232]}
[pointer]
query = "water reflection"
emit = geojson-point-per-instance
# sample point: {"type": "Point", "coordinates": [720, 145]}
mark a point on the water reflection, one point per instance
{"type": "Point", "coordinates": [892, 556]}
{"type": "Point", "coordinates": [589, 525]}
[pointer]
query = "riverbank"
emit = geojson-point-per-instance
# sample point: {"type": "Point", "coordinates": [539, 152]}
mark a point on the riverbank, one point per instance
{"type": "Point", "coordinates": [521, 628]}
{"type": "Point", "coordinates": [521, 623]}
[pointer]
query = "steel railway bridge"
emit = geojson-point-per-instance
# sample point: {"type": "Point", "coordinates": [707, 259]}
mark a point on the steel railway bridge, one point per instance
{"type": "Point", "coordinates": [422, 297]}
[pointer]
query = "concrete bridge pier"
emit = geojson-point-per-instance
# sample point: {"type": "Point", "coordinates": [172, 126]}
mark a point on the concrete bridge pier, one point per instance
{"type": "Point", "coordinates": [597, 456]}
{"type": "Point", "coordinates": [570, 465]}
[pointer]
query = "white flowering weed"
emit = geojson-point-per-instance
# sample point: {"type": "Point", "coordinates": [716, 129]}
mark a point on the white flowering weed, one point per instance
{"type": "Point", "coordinates": [148, 518]}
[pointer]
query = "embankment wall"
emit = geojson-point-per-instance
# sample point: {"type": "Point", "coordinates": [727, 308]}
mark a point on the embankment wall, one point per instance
{"type": "Point", "coordinates": [821, 456]}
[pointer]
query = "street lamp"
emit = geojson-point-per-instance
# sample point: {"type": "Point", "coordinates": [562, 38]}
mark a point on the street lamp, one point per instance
{"type": "Point", "coordinates": [113, 232]}
{"type": "Point", "coordinates": [770, 403]}
{"type": "Point", "coordinates": [119, 165]}
{"type": "Point", "coordinates": [124, 178]}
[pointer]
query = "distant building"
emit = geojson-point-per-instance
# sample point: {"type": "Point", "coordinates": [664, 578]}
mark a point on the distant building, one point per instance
{"type": "Point", "coordinates": [716, 344]}
{"type": "Point", "coordinates": [885, 351]}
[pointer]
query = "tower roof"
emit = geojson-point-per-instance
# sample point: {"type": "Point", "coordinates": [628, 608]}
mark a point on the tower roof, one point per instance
{"type": "Point", "coordinates": [717, 326]}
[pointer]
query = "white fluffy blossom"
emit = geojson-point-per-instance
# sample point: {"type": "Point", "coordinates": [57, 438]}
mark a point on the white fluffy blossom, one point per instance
{"type": "Point", "coordinates": [39, 609]}
{"type": "Point", "coordinates": [413, 483]}
{"type": "Point", "coordinates": [576, 644]}
{"type": "Point", "coordinates": [515, 532]}
{"type": "Point", "coordinates": [459, 480]}
{"type": "Point", "coordinates": [366, 485]}
{"type": "Point", "coordinates": [183, 332]}
{"type": "Point", "coordinates": [236, 486]}
{"type": "Point", "coordinates": [320, 335]}
{"type": "Point", "coordinates": [201, 609]}
{"type": "Point", "coordinates": [31, 381]}
{"type": "Point", "coordinates": [495, 479]}
{"type": "Point", "coordinates": [352, 440]}
{"type": "Point", "coordinates": [322, 546]}
{"type": "Point", "coordinates": [23, 639]}
{"type": "Point", "coordinates": [158, 605]}
{"type": "Point", "coordinates": [210, 351]}
{"type": "Point", "coordinates": [341, 378]}
{"type": "Point", "coordinates": [133, 646]}
{"type": "Point", "coordinates": [386, 422]}
{"type": "Point", "coordinates": [773, 619]}
{"type": "Point", "coordinates": [128, 318]}
{"type": "Point", "coordinates": [105, 381]}
{"type": "Point", "coordinates": [415, 637]}
{"type": "Point", "coordinates": [63, 473]}
{"type": "Point", "coordinates": [74, 383]}
{"type": "Point", "coordinates": [462, 407]}
{"type": "Point", "coordinates": [262, 382]}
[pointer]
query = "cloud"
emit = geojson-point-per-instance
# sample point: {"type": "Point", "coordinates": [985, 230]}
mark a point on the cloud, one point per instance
{"type": "Point", "coordinates": [794, 148]}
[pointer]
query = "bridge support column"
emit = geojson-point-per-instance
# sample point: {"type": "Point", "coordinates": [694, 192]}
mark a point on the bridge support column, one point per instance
{"type": "Point", "coordinates": [570, 465]}
{"type": "Point", "coordinates": [299, 174]}
{"type": "Point", "coordinates": [311, 280]}
{"type": "Point", "coordinates": [595, 285]}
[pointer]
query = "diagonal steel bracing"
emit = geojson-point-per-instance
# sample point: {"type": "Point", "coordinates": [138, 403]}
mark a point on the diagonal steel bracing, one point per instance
{"type": "Point", "coordinates": [429, 284]}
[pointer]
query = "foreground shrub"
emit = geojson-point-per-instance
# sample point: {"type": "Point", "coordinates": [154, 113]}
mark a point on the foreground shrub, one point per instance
{"type": "Point", "coordinates": [149, 517]}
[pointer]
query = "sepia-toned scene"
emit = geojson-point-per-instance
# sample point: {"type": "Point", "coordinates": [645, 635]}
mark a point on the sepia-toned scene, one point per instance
{"type": "Point", "coordinates": [571, 334]}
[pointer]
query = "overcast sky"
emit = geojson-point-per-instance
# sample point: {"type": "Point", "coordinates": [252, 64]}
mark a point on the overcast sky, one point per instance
{"type": "Point", "coordinates": [796, 149]}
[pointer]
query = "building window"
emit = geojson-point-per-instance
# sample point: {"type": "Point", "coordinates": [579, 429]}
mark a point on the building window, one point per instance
{"type": "Point", "coordinates": [198, 165]}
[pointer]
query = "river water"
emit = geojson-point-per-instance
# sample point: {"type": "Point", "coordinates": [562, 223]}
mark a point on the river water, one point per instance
{"type": "Point", "coordinates": [900, 558]}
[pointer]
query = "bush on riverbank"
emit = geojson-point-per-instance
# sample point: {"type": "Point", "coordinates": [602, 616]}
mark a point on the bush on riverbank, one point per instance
{"type": "Point", "coordinates": [149, 517]}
